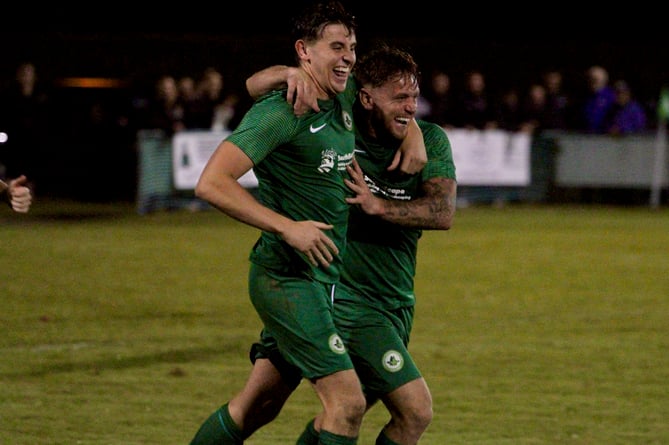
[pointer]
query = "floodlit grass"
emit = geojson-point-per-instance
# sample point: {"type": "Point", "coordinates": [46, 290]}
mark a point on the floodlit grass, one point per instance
{"type": "Point", "coordinates": [534, 325]}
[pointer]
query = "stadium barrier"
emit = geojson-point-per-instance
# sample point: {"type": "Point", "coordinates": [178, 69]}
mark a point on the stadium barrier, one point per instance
{"type": "Point", "coordinates": [492, 165]}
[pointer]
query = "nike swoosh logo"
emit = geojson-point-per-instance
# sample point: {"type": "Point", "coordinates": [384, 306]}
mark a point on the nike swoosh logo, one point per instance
{"type": "Point", "coordinates": [316, 129]}
{"type": "Point", "coordinates": [357, 150]}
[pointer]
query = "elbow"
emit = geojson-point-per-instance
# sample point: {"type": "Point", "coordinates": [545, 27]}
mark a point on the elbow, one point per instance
{"type": "Point", "coordinates": [203, 190]}
{"type": "Point", "coordinates": [444, 223]}
{"type": "Point", "coordinates": [249, 88]}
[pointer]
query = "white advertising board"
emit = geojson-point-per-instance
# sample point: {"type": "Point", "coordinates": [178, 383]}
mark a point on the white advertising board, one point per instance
{"type": "Point", "coordinates": [482, 158]}
{"type": "Point", "coordinates": [491, 157]}
{"type": "Point", "coordinates": [190, 152]}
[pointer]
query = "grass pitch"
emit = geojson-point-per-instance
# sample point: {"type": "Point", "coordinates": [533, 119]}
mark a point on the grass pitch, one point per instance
{"type": "Point", "coordinates": [534, 325]}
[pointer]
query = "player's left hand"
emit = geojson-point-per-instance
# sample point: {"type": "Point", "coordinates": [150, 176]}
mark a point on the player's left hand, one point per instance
{"type": "Point", "coordinates": [408, 164]}
{"type": "Point", "coordinates": [411, 157]}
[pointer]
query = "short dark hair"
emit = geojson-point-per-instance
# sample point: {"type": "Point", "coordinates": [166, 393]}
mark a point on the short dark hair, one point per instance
{"type": "Point", "coordinates": [384, 63]}
{"type": "Point", "coordinates": [309, 24]}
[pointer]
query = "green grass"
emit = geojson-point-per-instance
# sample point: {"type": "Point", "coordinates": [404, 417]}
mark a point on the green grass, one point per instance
{"type": "Point", "coordinates": [534, 325]}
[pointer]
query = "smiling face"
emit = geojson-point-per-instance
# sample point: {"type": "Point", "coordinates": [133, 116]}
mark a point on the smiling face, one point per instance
{"type": "Point", "coordinates": [389, 81]}
{"type": "Point", "coordinates": [329, 59]}
{"type": "Point", "coordinates": [391, 105]}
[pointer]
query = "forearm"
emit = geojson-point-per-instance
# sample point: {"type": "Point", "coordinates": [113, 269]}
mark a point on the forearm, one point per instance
{"type": "Point", "coordinates": [219, 186]}
{"type": "Point", "coordinates": [412, 154]}
{"type": "Point", "coordinates": [434, 211]}
{"type": "Point", "coordinates": [266, 80]}
{"type": "Point", "coordinates": [228, 196]}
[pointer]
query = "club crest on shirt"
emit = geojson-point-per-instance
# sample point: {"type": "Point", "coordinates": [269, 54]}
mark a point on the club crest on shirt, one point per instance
{"type": "Point", "coordinates": [348, 121]}
{"type": "Point", "coordinates": [328, 157]}
{"type": "Point", "coordinates": [392, 361]}
{"type": "Point", "coordinates": [336, 344]}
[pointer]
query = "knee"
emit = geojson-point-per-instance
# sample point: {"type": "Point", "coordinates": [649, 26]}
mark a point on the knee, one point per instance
{"type": "Point", "coordinates": [420, 419]}
{"type": "Point", "coordinates": [413, 420]}
{"type": "Point", "coordinates": [354, 407]}
{"type": "Point", "coordinates": [350, 408]}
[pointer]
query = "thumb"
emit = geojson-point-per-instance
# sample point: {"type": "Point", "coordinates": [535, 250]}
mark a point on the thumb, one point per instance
{"type": "Point", "coordinates": [20, 181]}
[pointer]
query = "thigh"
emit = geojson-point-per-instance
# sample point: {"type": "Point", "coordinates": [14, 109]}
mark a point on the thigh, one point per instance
{"type": "Point", "coordinates": [297, 315]}
{"type": "Point", "coordinates": [377, 341]}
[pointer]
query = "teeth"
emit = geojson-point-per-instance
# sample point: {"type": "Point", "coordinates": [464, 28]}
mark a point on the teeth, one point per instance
{"type": "Point", "coordinates": [403, 120]}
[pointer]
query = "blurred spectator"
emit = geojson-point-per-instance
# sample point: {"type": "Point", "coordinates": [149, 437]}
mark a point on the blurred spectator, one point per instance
{"type": "Point", "coordinates": [213, 108]}
{"type": "Point", "coordinates": [441, 106]}
{"type": "Point", "coordinates": [24, 117]}
{"type": "Point", "coordinates": [187, 88]}
{"type": "Point", "coordinates": [475, 111]}
{"type": "Point", "coordinates": [166, 111]}
{"type": "Point", "coordinates": [508, 112]}
{"type": "Point", "coordinates": [627, 115]}
{"type": "Point", "coordinates": [599, 100]}
{"type": "Point", "coordinates": [557, 109]}
{"type": "Point", "coordinates": [535, 108]}
{"type": "Point", "coordinates": [188, 98]}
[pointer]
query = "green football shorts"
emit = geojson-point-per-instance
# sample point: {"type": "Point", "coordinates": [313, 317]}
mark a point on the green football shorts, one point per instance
{"type": "Point", "coordinates": [297, 317]}
{"type": "Point", "coordinates": [377, 341]}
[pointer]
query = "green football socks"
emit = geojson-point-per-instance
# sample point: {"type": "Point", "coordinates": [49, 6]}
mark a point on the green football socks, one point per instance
{"type": "Point", "coordinates": [309, 435]}
{"type": "Point", "coordinates": [219, 429]}
{"type": "Point", "coordinates": [328, 438]}
{"type": "Point", "coordinates": [382, 439]}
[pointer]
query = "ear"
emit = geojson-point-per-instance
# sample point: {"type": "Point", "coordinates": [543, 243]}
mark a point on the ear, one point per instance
{"type": "Point", "coordinates": [366, 99]}
{"type": "Point", "coordinates": [301, 50]}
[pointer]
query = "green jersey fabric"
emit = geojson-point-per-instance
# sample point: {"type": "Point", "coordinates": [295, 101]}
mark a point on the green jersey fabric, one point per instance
{"type": "Point", "coordinates": [380, 260]}
{"type": "Point", "coordinates": [300, 163]}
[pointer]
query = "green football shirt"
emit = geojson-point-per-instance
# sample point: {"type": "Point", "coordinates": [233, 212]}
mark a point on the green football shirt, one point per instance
{"type": "Point", "coordinates": [300, 163]}
{"type": "Point", "coordinates": [380, 260]}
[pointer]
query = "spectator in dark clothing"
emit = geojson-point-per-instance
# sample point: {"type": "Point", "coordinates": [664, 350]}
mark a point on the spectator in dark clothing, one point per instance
{"type": "Point", "coordinates": [599, 101]}
{"type": "Point", "coordinates": [475, 110]}
{"type": "Point", "coordinates": [442, 106]}
{"type": "Point", "coordinates": [556, 116]}
{"type": "Point", "coordinates": [166, 111]}
{"type": "Point", "coordinates": [626, 116]}
{"type": "Point", "coordinates": [535, 108]}
{"type": "Point", "coordinates": [508, 111]}
{"type": "Point", "coordinates": [213, 108]}
{"type": "Point", "coordinates": [24, 117]}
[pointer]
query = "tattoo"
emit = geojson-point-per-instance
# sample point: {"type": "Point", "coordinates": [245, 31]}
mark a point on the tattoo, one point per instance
{"type": "Point", "coordinates": [433, 210]}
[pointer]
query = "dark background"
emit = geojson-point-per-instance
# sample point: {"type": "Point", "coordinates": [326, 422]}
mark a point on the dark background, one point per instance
{"type": "Point", "coordinates": [511, 45]}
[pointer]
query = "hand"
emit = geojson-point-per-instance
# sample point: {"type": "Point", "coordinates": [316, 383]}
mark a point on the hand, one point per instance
{"type": "Point", "coordinates": [301, 92]}
{"type": "Point", "coordinates": [364, 197]}
{"type": "Point", "coordinates": [412, 154]}
{"type": "Point", "coordinates": [20, 196]}
{"type": "Point", "coordinates": [308, 238]}
{"type": "Point", "coordinates": [408, 164]}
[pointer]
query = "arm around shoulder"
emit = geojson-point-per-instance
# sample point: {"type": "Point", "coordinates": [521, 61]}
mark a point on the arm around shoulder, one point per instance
{"type": "Point", "coordinates": [301, 91]}
{"type": "Point", "coordinates": [411, 157]}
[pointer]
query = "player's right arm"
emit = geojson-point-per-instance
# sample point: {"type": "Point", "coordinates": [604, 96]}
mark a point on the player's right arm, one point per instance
{"type": "Point", "coordinates": [218, 185]}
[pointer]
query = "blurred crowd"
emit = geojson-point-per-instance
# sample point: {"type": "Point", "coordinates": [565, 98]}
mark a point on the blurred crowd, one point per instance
{"type": "Point", "coordinates": [187, 103]}
{"type": "Point", "coordinates": [605, 108]}
{"type": "Point", "coordinates": [82, 143]}
{"type": "Point", "coordinates": [44, 138]}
